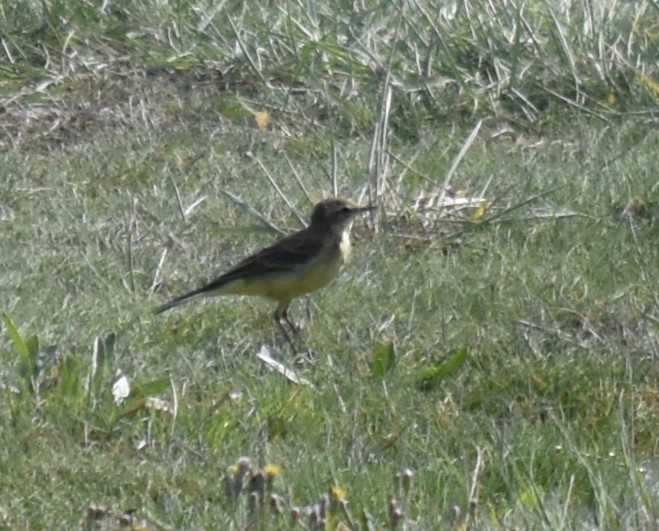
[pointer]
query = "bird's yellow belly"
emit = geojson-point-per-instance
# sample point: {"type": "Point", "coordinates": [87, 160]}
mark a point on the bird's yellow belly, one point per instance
{"type": "Point", "coordinates": [284, 286]}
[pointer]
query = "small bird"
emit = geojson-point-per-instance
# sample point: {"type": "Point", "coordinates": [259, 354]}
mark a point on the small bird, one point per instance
{"type": "Point", "coordinates": [303, 262]}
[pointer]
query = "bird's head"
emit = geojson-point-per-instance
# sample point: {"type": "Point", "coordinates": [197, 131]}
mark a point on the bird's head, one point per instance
{"type": "Point", "coordinates": [336, 214]}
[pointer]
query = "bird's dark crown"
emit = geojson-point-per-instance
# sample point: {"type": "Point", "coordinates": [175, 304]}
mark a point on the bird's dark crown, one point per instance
{"type": "Point", "coordinates": [333, 211]}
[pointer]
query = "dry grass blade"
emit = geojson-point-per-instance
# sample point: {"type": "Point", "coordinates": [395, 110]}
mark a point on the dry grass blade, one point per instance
{"type": "Point", "coordinates": [299, 180]}
{"type": "Point", "coordinates": [265, 356]}
{"type": "Point", "coordinates": [280, 193]}
{"type": "Point", "coordinates": [156, 275]}
{"type": "Point", "coordinates": [379, 158]}
{"type": "Point", "coordinates": [194, 205]}
{"type": "Point", "coordinates": [252, 212]}
{"type": "Point", "coordinates": [463, 150]}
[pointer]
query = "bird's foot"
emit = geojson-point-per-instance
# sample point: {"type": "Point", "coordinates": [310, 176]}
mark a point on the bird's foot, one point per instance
{"type": "Point", "coordinates": [295, 326]}
{"type": "Point", "coordinates": [306, 356]}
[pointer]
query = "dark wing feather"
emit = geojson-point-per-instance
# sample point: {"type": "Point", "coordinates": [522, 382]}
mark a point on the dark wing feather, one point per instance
{"type": "Point", "coordinates": [297, 248]}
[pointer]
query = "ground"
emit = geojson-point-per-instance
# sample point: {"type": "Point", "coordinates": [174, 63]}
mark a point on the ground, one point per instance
{"type": "Point", "coordinates": [487, 359]}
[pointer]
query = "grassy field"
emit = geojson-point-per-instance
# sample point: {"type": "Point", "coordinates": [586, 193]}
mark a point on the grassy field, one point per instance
{"type": "Point", "coordinates": [489, 366]}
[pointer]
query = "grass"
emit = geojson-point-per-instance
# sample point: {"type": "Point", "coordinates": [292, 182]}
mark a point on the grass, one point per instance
{"type": "Point", "coordinates": [483, 368]}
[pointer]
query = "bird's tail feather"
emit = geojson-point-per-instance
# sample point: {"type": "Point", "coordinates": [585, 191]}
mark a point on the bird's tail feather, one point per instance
{"type": "Point", "coordinates": [180, 300]}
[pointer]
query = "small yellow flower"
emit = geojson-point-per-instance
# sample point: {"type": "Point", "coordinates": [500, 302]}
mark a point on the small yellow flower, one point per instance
{"type": "Point", "coordinates": [272, 470]}
{"type": "Point", "coordinates": [262, 119]}
{"type": "Point", "coordinates": [481, 210]}
{"type": "Point", "coordinates": [338, 494]}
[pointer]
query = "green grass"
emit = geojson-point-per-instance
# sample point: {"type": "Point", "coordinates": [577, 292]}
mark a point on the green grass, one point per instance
{"type": "Point", "coordinates": [484, 370]}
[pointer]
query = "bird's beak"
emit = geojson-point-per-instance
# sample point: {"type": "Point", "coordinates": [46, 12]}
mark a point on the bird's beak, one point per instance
{"type": "Point", "coordinates": [361, 210]}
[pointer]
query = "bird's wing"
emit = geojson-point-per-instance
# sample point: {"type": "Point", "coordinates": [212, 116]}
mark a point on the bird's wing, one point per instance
{"type": "Point", "coordinates": [287, 254]}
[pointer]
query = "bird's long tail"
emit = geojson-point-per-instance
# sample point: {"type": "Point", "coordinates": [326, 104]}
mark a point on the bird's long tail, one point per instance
{"type": "Point", "coordinates": [181, 300]}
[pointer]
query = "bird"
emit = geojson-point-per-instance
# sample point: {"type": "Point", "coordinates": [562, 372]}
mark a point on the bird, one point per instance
{"type": "Point", "coordinates": [295, 265]}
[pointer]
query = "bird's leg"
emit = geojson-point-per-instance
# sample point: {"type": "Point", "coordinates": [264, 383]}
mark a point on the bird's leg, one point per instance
{"type": "Point", "coordinates": [295, 327]}
{"type": "Point", "coordinates": [307, 308]}
{"type": "Point", "coordinates": [281, 316]}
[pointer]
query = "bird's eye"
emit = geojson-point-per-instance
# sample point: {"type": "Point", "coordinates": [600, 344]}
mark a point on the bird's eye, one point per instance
{"type": "Point", "coordinates": [346, 209]}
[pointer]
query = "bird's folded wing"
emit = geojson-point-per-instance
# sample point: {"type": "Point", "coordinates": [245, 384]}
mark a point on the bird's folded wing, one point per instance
{"type": "Point", "coordinates": [290, 254]}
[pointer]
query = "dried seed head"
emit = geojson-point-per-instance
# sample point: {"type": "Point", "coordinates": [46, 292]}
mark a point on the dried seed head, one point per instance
{"type": "Point", "coordinates": [277, 503]}
{"type": "Point", "coordinates": [257, 483]}
{"type": "Point", "coordinates": [395, 514]}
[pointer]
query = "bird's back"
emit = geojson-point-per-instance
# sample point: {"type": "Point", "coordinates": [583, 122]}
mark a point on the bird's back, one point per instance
{"type": "Point", "coordinates": [299, 264]}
